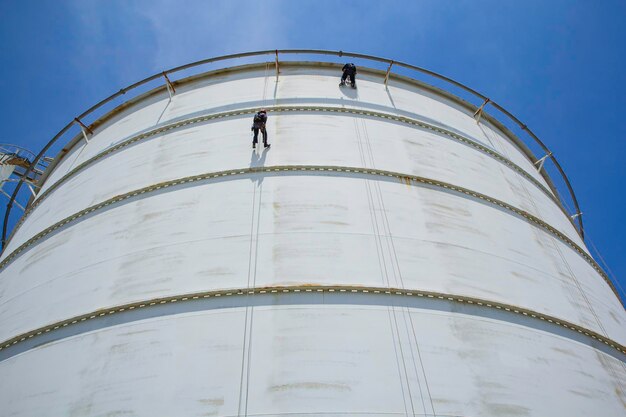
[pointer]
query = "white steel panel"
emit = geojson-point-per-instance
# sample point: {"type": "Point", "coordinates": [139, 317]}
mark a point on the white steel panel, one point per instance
{"type": "Point", "coordinates": [180, 366]}
{"type": "Point", "coordinates": [506, 258]}
{"type": "Point", "coordinates": [503, 370]}
{"type": "Point", "coordinates": [283, 230]}
{"type": "Point", "coordinates": [316, 139]}
{"type": "Point", "coordinates": [315, 360]}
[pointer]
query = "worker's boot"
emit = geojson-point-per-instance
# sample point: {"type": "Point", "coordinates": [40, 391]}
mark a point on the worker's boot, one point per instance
{"type": "Point", "coordinates": [253, 145]}
{"type": "Point", "coordinates": [266, 145]}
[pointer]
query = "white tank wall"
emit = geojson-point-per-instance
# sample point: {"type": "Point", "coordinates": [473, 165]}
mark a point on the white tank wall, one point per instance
{"type": "Point", "coordinates": [219, 146]}
{"type": "Point", "coordinates": [314, 360]}
{"type": "Point", "coordinates": [175, 242]}
{"type": "Point", "coordinates": [298, 229]}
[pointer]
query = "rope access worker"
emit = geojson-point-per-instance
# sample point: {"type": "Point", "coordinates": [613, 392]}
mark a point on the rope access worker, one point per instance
{"type": "Point", "coordinates": [349, 70]}
{"type": "Point", "coordinates": [258, 123]}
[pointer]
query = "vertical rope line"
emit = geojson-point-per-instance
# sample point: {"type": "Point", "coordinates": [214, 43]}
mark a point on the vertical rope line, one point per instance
{"type": "Point", "coordinates": [406, 313]}
{"type": "Point", "coordinates": [392, 248]}
{"type": "Point", "coordinates": [256, 257]}
{"type": "Point", "coordinates": [251, 236]}
{"type": "Point", "coordinates": [254, 244]}
{"type": "Point", "coordinates": [245, 327]}
{"type": "Point", "coordinates": [74, 162]}
{"type": "Point", "coordinates": [610, 275]}
{"type": "Point", "coordinates": [419, 356]}
{"type": "Point", "coordinates": [606, 266]}
{"type": "Point", "coordinates": [370, 201]}
{"type": "Point", "coordinates": [493, 145]}
{"type": "Point", "coordinates": [578, 285]}
{"type": "Point", "coordinates": [556, 247]}
{"type": "Point", "coordinates": [382, 265]}
{"type": "Point", "coordinates": [406, 373]}
{"type": "Point", "coordinates": [396, 343]}
{"type": "Point", "coordinates": [378, 193]}
{"type": "Point", "coordinates": [248, 361]}
{"type": "Point", "coordinates": [243, 358]}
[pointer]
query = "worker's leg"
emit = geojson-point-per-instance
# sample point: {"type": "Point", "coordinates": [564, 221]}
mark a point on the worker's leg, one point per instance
{"type": "Point", "coordinates": [352, 80]}
{"type": "Point", "coordinates": [343, 77]}
{"type": "Point", "coordinates": [255, 139]}
{"type": "Point", "coordinates": [264, 136]}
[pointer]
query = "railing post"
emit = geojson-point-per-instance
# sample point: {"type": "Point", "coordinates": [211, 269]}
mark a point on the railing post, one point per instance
{"type": "Point", "coordinates": [170, 87]}
{"type": "Point", "coordinates": [478, 113]}
{"type": "Point", "coordinates": [83, 129]}
{"type": "Point", "coordinates": [388, 72]}
{"type": "Point", "coordinates": [573, 217]}
{"type": "Point", "coordinates": [542, 161]}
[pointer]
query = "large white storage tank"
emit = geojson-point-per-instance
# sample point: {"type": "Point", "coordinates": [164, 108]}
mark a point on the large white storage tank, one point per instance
{"type": "Point", "coordinates": [388, 255]}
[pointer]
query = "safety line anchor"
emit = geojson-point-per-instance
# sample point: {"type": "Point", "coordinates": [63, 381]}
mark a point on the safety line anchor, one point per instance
{"type": "Point", "coordinates": [388, 72]}
{"type": "Point", "coordinates": [574, 216]}
{"type": "Point", "coordinates": [479, 112]}
{"type": "Point", "coordinates": [170, 87]}
{"type": "Point", "coordinates": [542, 161]}
{"type": "Point", "coordinates": [277, 67]}
{"type": "Point", "coordinates": [83, 129]}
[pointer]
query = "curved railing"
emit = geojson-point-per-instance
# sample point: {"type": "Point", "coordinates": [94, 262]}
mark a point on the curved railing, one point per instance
{"type": "Point", "coordinates": [275, 53]}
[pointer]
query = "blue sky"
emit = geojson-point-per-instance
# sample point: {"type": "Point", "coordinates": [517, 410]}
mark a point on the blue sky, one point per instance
{"type": "Point", "coordinates": [560, 66]}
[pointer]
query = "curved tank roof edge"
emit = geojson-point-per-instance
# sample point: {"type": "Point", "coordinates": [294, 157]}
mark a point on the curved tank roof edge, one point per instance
{"type": "Point", "coordinates": [311, 64]}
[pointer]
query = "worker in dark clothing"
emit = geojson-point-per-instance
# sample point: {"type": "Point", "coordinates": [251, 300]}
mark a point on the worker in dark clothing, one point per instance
{"type": "Point", "coordinates": [258, 123]}
{"type": "Point", "coordinates": [349, 70]}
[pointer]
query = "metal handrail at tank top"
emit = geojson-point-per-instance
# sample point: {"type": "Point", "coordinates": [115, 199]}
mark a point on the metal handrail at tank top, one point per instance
{"type": "Point", "coordinates": [391, 63]}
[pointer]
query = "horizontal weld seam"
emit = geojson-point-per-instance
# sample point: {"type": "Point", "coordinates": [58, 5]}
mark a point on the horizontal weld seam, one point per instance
{"type": "Point", "coordinates": [297, 289]}
{"type": "Point", "coordinates": [367, 171]}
